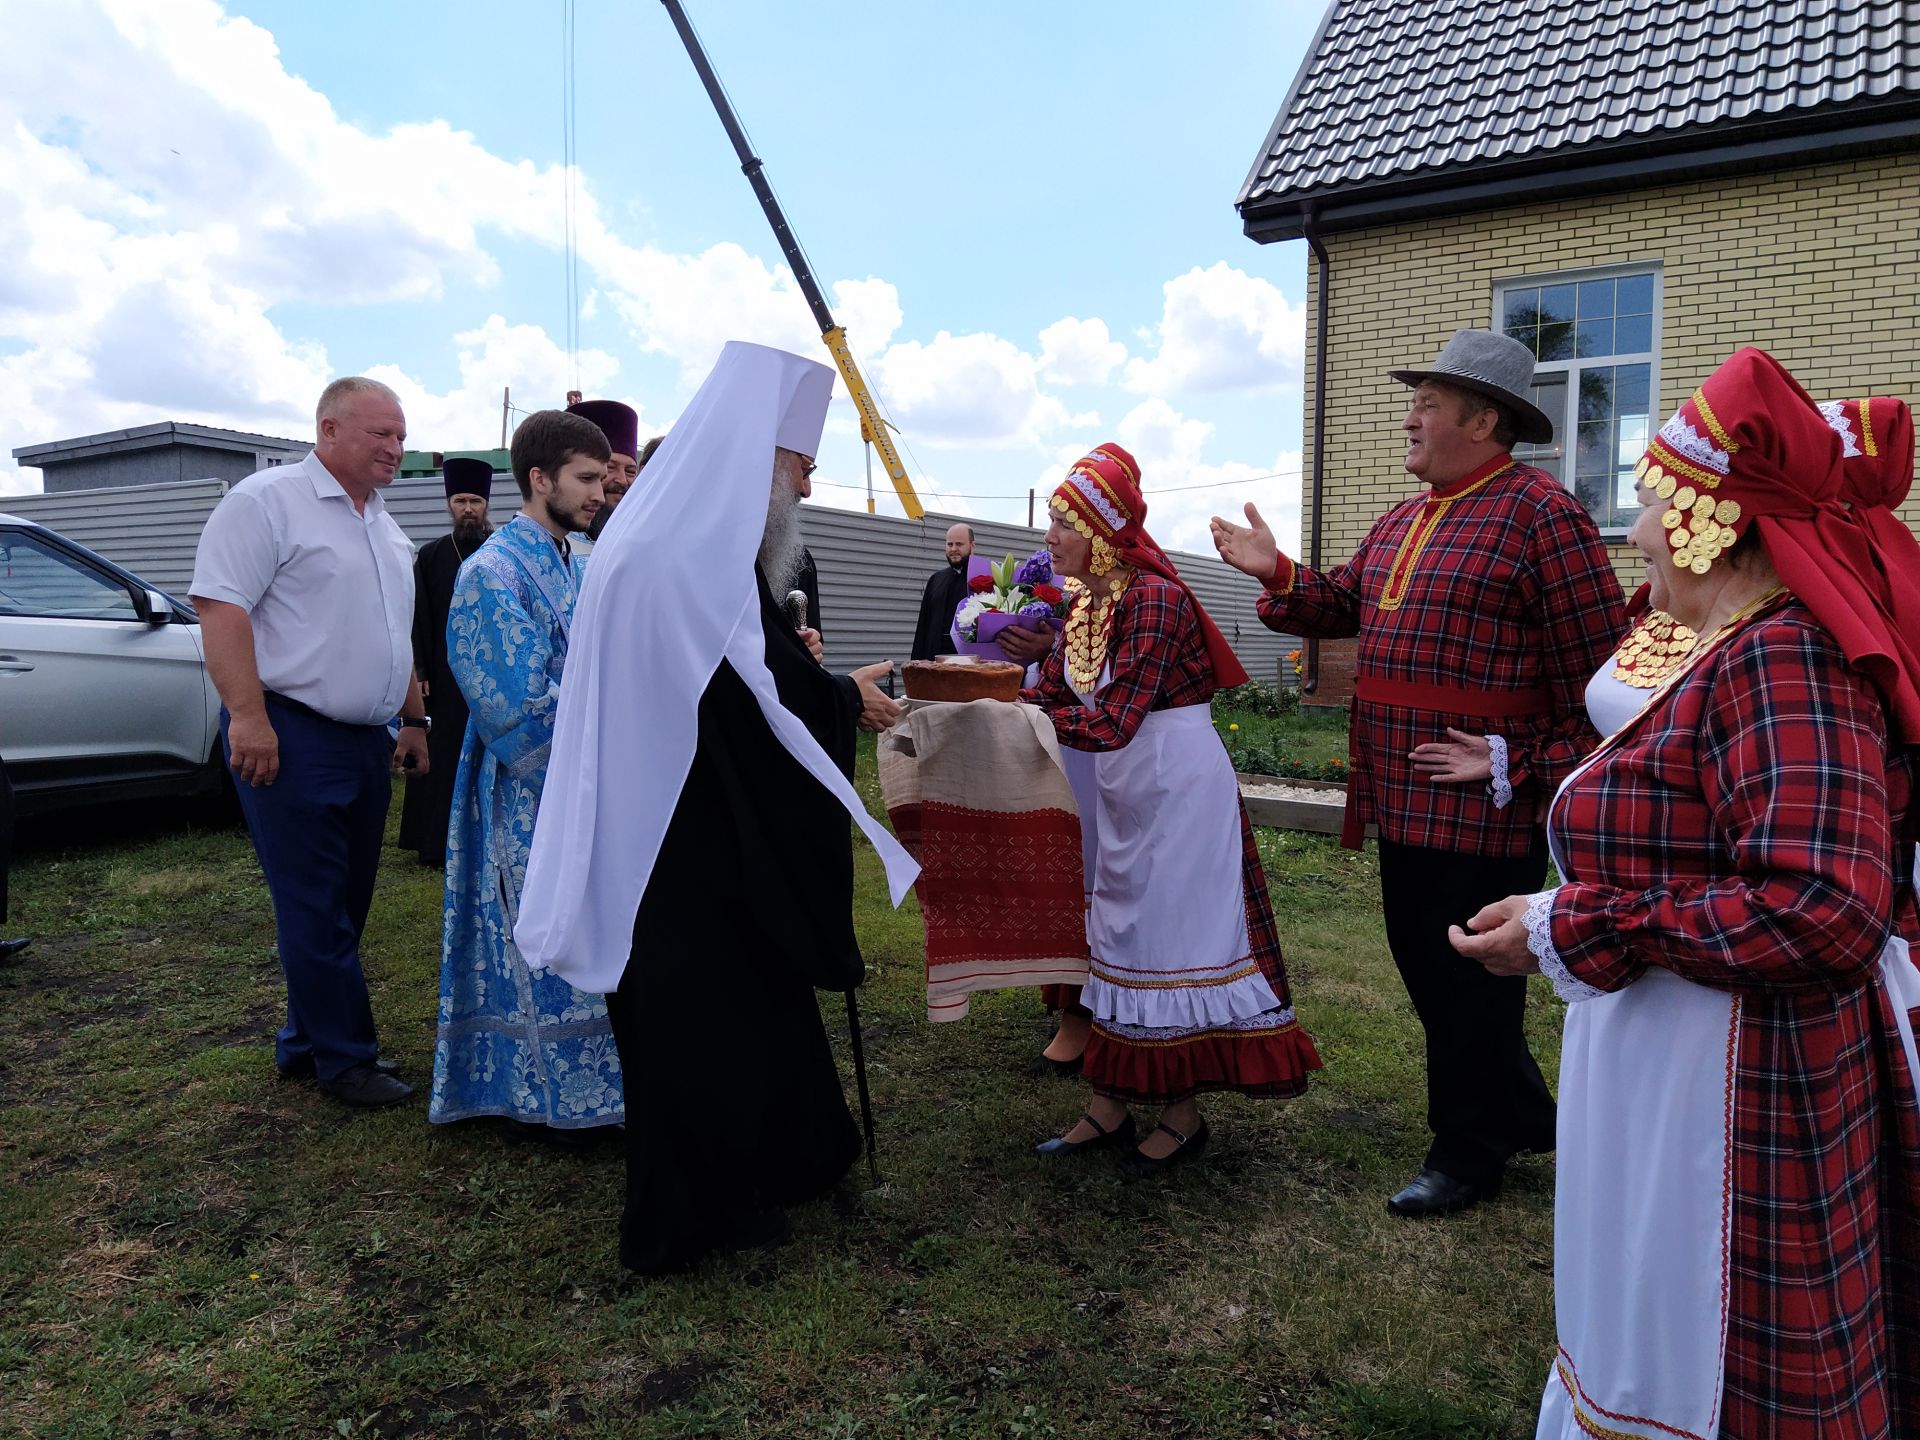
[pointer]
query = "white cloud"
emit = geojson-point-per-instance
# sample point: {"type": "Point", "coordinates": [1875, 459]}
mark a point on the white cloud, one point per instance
{"type": "Point", "coordinates": [967, 390]}
{"type": "Point", "coordinates": [1184, 490]}
{"type": "Point", "coordinates": [1080, 352]}
{"type": "Point", "coordinates": [493, 357]}
{"type": "Point", "coordinates": [1222, 329]}
{"type": "Point", "coordinates": [171, 185]}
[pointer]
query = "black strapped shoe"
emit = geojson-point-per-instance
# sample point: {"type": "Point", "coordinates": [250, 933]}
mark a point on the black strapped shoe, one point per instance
{"type": "Point", "coordinates": [1137, 1166]}
{"type": "Point", "coordinates": [1103, 1139]}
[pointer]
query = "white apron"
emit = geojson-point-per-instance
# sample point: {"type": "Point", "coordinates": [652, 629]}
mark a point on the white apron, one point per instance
{"type": "Point", "coordinates": [1167, 911]}
{"type": "Point", "coordinates": [1642, 1203]}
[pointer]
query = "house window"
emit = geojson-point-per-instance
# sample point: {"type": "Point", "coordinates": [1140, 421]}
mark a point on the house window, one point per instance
{"type": "Point", "coordinates": [1594, 335]}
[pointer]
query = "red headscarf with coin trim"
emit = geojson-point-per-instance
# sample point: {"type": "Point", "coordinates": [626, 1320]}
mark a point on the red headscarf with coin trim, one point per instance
{"type": "Point", "coordinates": [1101, 499]}
{"type": "Point", "coordinates": [1751, 448]}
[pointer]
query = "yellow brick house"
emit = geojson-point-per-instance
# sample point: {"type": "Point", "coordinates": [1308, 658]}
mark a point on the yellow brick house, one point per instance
{"type": "Point", "coordinates": [1633, 189]}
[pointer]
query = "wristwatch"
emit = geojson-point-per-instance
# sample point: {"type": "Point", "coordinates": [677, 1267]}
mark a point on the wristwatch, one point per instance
{"type": "Point", "coordinates": [417, 722]}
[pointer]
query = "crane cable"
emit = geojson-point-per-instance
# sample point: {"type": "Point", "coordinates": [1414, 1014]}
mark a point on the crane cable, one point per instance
{"type": "Point", "coordinates": [570, 154]}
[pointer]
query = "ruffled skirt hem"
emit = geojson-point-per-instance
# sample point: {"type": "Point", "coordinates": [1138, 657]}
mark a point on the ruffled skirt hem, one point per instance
{"type": "Point", "coordinates": [1269, 1057]}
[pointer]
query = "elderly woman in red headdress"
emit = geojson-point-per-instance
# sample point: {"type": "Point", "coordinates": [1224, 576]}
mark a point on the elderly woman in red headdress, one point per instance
{"type": "Point", "coordinates": [1737, 1247]}
{"type": "Point", "coordinates": [1186, 986]}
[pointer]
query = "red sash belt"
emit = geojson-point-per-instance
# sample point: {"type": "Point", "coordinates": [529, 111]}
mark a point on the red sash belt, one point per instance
{"type": "Point", "coordinates": [1456, 700]}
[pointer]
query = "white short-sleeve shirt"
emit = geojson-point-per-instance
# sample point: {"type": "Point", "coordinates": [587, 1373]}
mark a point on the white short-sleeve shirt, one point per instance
{"type": "Point", "coordinates": [329, 589]}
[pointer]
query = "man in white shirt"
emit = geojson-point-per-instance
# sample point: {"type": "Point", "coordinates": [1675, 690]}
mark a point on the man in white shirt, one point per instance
{"type": "Point", "coordinates": [304, 586]}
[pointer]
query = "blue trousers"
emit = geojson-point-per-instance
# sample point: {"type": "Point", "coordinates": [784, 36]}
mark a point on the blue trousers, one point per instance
{"type": "Point", "coordinates": [317, 830]}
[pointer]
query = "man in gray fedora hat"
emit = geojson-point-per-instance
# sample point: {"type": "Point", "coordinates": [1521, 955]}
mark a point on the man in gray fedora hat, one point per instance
{"type": "Point", "coordinates": [1483, 606]}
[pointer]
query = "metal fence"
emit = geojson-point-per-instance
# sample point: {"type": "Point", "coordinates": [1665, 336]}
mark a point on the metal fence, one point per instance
{"type": "Point", "coordinates": [873, 568]}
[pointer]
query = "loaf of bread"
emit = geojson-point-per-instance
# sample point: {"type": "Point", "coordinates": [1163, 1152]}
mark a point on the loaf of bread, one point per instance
{"type": "Point", "coordinates": [965, 679]}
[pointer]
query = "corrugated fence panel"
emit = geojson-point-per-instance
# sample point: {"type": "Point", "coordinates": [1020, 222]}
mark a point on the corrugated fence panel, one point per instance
{"type": "Point", "coordinates": [150, 529]}
{"type": "Point", "coordinates": [873, 568]}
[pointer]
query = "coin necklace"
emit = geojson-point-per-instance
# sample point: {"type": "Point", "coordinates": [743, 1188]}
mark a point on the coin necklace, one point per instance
{"type": "Point", "coordinates": [1089, 626]}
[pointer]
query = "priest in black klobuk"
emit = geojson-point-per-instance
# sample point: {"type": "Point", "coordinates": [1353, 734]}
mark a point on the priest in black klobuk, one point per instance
{"type": "Point", "coordinates": [693, 859]}
{"type": "Point", "coordinates": [621, 425]}
{"type": "Point", "coordinates": [429, 800]}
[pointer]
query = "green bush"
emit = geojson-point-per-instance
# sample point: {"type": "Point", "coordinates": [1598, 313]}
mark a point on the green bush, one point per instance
{"type": "Point", "coordinates": [1267, 701]}
{"type": "Point", "coordinates": [1265, 760]}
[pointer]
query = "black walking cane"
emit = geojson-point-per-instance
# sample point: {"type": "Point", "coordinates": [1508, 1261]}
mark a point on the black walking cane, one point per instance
{"type": "Point", "coordinates": [796, 606]}
{"type": "Point", "coordinates": [860, 1079]}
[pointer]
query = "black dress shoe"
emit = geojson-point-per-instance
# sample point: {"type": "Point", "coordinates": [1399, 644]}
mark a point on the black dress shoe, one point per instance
{"type": "Point", "coordinates": [302, 1069]}
{"type": "Point", "coordinates": [1434, 1193]}
{"type": "Point", "coordinates": [1101, 1139]}
{"type": "Point", "coordinates": [1137, 1166]}
{"type": "Point", "coordinates": [1045, 1065]}
{"type": "Point", "coordinates": [365, 1087]}
{"type": "Point", "coordinates": [10, 948]}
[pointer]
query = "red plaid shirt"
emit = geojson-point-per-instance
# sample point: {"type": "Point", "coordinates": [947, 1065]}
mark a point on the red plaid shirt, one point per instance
{"type": "Point", "coordinates": [1496, 584]}
{"type": "Point", "coordinates": [1157, 656]}
{"type": "Point", "coordinates": [1752, 831]}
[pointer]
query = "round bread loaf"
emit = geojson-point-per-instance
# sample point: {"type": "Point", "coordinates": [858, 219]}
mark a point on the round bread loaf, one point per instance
{"type": "Point", "coordinates": [950, 680]}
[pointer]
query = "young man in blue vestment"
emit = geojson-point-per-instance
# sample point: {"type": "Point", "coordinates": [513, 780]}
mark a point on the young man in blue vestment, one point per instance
{"type": "Point", "coordinates": [529, 1048]}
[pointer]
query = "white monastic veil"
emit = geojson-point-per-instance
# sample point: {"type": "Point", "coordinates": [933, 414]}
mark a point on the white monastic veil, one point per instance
{"type": "Point", "coordinates": [669, 594]}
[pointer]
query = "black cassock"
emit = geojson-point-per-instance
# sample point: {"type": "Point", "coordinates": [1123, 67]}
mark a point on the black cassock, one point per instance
{"type": "Point", "coordinates": [933, 635]}
{"type": "Point", "coordinates": [734, 1103]}
{"type": "Point", "coordinates": [429, 800]}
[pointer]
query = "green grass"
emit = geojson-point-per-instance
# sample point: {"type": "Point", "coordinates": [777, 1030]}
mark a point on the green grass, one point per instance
{"type": "Point", "coordinates": [190, 1247]}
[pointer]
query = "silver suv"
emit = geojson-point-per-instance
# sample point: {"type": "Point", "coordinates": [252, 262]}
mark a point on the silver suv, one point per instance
{"type": "Point", "coordinates": [104, 693]}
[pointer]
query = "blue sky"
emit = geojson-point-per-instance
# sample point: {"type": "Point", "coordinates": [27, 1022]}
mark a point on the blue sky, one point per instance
{"type": "Point", "coordinates": [1023, 214]}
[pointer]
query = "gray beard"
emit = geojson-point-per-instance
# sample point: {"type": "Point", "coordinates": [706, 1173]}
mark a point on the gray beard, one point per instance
{"type": "Point", "coordinates": [782, 547]}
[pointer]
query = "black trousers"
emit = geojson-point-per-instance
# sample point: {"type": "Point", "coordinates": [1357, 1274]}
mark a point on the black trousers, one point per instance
{"type": "Point", "coordinates": [1486, 1100]}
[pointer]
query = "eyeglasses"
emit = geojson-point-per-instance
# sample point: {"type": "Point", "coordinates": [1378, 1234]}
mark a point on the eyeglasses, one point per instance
{"type": "Point", "coordinates": [808, 468]}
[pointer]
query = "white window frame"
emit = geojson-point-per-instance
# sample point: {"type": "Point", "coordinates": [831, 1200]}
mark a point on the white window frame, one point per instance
{"type": "Point", "coordinates": [1566, 425]}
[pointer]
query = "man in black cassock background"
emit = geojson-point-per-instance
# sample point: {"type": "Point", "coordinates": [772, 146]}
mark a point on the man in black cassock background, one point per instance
{"type": "Point", "coordinates": [429, 800]}
{"type": "Point", "coordinates": [946, 588]}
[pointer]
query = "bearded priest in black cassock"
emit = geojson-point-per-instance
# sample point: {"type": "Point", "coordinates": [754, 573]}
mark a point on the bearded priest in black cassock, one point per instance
{"type": "Point", "coordinates": [692, 858]}
{"type": "Point", "coordinates": [429, 800]}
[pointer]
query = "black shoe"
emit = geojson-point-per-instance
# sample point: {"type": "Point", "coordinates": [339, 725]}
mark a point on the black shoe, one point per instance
{"type": "Point", "coordinates": [1044, 1066]}
{"type": "Point", "coordinates": [10, 948]}
{"type": "Point", "coordinates": [302, 1069]}
{"type": "Point", "coordinates": [1103, 1139]}
{"type": "Point", "coordinates": [1137, 1166]}
{"type": "Point", "coordinates": [575, 1141]}
{"type": "Point", "coordinates": [366, 1087]}
{"type": "Point", "coordinates": [1433, 1193]}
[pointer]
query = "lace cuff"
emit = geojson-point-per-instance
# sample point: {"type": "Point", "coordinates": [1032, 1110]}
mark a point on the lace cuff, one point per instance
{"type": "Point", "coordinates": [1500, 787]}
{"type": "Point", "coordinates": [1539, 922]}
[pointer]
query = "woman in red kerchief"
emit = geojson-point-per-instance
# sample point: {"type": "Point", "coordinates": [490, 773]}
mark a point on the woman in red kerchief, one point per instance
{"type": "Point", "coordinates": [1737, 1211]}
{"type": "Point", "coordinates": [1185, 985]}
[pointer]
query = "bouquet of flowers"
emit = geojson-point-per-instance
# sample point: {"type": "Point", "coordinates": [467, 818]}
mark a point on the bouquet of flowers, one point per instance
{"type": "Point", "coordinates": [1004, 593]}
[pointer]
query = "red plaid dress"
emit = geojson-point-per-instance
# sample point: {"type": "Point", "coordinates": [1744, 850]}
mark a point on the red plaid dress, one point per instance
{"type": "Point", "coordinates": [1491, 597]}
{"type": "Point", "coordinates": [1753, 832]}
{"type": "Point", "coordinates": [1157, 659]}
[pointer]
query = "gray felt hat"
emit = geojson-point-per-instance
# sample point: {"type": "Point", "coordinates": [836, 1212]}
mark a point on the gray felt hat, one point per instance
{"type": "Point", "coordinates": [1496, 365]}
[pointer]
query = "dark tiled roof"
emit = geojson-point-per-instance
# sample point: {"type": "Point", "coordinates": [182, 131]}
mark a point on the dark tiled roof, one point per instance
{"type": "Point", "coordinates": [1401, 93]}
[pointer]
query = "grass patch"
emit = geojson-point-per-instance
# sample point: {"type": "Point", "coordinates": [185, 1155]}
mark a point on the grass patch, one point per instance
{"type": "Point", "coordinates": [191, 1247]}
